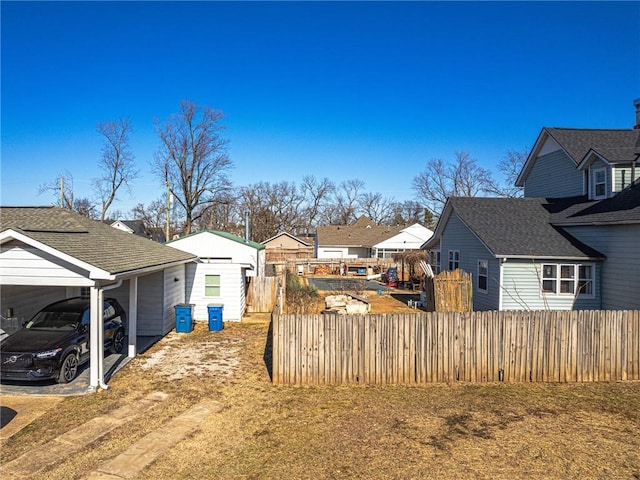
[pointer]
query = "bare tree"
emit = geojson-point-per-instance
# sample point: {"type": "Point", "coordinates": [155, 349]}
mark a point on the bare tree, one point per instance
{"type": "Point", "coordinates": [62, 187]}
{"type": "Point", "coordinates": [346, 202]}
{"type": "Point", "coordinates": [85, 207]}
{"type": "Point", "coordinates": [154, 216]}
{"type": "Point", "coordinates": [116, 163]}
{"type": "Point", "coordinates": [461, 178]}
{"type": "Point", "coordinates": [317, 194]}
{"type": "Point", "coordinates": [377, 208]}
{"type": "Point", "coordinates": [410, 212]}
{"type": "Point", "coordinates": [193, 159]}
{"type": "Point", "coordinates": [510, 166]}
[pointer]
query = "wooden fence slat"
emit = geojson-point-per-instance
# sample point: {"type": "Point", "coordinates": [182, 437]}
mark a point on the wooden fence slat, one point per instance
{"type": "Point", "coordinates": [540, 346]}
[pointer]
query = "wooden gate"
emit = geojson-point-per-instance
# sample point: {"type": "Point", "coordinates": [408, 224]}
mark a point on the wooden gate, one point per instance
{"type": "Point", "coordinates": [261, 294]}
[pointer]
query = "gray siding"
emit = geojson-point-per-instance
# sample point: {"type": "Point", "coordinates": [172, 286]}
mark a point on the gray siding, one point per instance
{"type": "Point", "coordinates": [457, 236]}
{"type": "Point", "coordinates": [621, 269]}
{"type": "Point", "coordinates": [521, 288]}
{"type": "Point", "coordinates": [554, 175]}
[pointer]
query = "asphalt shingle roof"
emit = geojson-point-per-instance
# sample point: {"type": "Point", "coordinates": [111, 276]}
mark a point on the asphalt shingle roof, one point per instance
{"type": "Point", "coordinates": [89, 241]}
{"type": "Point", "coordinates": [623, 208]}
{"type": "Point", "coordinates": [518, 227]}
{"type": "Point", "coordinates": [363, 233]}
{"type": "Point", "coordinates": [619, 144]}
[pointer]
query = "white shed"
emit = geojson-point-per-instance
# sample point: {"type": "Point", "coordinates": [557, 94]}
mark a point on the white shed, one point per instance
{"type": "Point", "coordinates": [225, 267]}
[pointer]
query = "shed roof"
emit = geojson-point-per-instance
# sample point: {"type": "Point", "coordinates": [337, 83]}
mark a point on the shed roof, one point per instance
{"type": "Point", "coordinates": [92, 242]}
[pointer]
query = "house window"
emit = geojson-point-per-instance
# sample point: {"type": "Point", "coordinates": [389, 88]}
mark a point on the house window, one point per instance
{"type": "Point", "coordinates": [483, 275]}
{"type": "Point", "coordinates": [212, 285]}
{"type": "Point", "coordinates": [454, 260]}
{"type": "Point", "coordinates": [600, 183]}
{"type": "Point", "coordinates": [585, 279]}
{"type": "Point", "coordinates": [568, 279]}
{"type": "Point", "coordinates": [549, 283]}
{"type": "Point", "coordinates": [434, 260]}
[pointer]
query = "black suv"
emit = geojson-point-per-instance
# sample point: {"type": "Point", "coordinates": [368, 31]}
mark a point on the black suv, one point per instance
{"type": "Point", "coordinates": [55, 342]}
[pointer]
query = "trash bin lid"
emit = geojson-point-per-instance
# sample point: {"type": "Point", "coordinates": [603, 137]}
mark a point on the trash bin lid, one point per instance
{"type": "Point", "coordinates": [220, 305]}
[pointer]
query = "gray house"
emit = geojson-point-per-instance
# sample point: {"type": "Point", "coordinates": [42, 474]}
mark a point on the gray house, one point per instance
{"type": "Point", "coordinates": [571, 243]}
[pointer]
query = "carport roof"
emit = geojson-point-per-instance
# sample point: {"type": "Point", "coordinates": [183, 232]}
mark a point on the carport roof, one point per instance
{"type": "Point", "coordinates": [89, 241]}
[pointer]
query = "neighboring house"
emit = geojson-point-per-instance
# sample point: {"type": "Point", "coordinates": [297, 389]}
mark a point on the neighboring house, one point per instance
{"type": "Point", "coordinates": [352, 241]}
{"type": "Point", "coordinates": [49, 254]}
{"type": "Point", "coordinates": [221, 275]}
{"type": "Point", "coordinates": [571, 243]}
{"type": "Point", "coordinates": [284, 246]}
{"type": "Point", "coordinates": [137, 227]}
{"type": "Point", "coordinates": [409, 238]}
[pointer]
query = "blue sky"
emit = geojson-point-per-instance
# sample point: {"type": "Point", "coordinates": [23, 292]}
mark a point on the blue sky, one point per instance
{"type": "Point", "coordinates": [368, 90]}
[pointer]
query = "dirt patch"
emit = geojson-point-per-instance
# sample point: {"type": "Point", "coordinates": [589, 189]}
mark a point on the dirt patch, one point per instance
{"type": "Point", "coordinates": [176, 358]}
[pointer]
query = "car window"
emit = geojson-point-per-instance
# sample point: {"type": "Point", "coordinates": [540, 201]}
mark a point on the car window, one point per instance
{"type": "Point", "coordinates": [86, 317]}
{"type": "Point", "coordinates": [54, 321]}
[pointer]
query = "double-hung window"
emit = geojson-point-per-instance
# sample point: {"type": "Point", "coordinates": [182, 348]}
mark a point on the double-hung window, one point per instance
{"type": "Point", "coordinates": [434, 260]}
{"type": "Point", "coordinates": [560, 279]}
{"type": "Point", "coordinates": [212, 285]}
{"type": "Point", "coordinates": [454, 260]}
{"type": "Point", "coordinates": [483, 275]}
{"type": "Point", "coordinates": [599, 183]}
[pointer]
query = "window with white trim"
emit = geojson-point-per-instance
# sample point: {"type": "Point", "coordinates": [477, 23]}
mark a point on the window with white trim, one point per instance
{"type": "Point", "coordinates": [565, 279]}
{"type": "Point", "coordinates": [434, 260]}
{"type": "Point", "coordinates": [483, 275]}
{"type": "Point", "coordinates": [212, 285]}
{"type": "Point", "coordinates": [454, 260]}
{"type": "Point", "coordinates": [599, 183]}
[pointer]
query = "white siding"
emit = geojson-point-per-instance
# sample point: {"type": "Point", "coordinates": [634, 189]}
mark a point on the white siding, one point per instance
{"type": "Point", "coordinates": [22, 265]}
{"type": "Point", "coordinates": [554, 175]}
{"type": "Point", "coordinates": [621, 269]}
{"type": "Point", "coordinates": [232, 290]}
{"type": "Point", "coordinates": [26, 301]}
{"type": "Point", "coordinates": [151, 305]}
{"type": "Point", "coordinates": [334, 252]}
{"type": "Point", "coordinates": [174, 294]}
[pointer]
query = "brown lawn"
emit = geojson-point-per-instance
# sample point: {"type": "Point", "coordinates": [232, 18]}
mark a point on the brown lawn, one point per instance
{"type": "Point", "coordinates": [489, 431]}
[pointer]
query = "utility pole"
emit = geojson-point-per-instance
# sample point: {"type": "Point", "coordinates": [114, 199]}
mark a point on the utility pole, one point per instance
{"type": "Point", "coordinates": [168, 211]}
{"type": "Point", "coordinates": [61, 191]}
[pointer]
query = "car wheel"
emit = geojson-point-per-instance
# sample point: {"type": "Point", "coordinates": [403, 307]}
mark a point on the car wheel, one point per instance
{"type": "Point", "coordinates": [117, 342]}
{"type": "Point", "coordinates": [68, 369]}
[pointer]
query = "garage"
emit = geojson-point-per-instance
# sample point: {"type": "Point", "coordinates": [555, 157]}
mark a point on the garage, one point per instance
{"type": "Point", "coordinates": [48, 254]}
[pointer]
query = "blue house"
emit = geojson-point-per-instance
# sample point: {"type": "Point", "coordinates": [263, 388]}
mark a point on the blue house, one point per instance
{"type": "Point", "coordinates": [570, 243]}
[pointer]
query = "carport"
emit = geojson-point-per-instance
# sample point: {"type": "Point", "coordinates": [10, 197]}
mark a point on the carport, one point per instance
{"type": "Point", "coordinates": [47, 253]}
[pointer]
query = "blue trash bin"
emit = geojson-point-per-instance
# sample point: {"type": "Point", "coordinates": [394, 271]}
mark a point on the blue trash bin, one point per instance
{"type": "Point", "coordinates": [215, 317]}
{"type": "Point", "coordinates": [184, 317]}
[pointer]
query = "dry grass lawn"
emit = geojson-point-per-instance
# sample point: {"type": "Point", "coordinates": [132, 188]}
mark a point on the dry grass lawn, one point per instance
{"type": "Point", "coordinates": [491, 431]}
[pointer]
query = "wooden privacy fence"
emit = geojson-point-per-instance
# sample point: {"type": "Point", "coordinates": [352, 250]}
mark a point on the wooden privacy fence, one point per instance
{"type": "Point", "coordinates": [261, 294]}
{"type": "Point", "coordinates": [534, 346]}
{"type": "Point", "coordinates": [449, 292]}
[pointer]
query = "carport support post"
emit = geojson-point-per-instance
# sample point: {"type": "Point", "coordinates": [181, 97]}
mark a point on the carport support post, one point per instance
{"type": "Point", "coordinates": [133, 316]}
{"type": "Point", "coordinates": [94, 346]}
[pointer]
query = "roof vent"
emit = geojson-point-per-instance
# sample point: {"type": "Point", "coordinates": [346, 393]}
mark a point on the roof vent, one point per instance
{"type": "Point", "coordinates": [636, 103]}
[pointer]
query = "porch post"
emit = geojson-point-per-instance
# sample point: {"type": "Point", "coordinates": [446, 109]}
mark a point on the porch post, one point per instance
{"type": "Point", "coordinates": [133, 317]}
{"type": "Point", "coordinates": [94, 346]}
